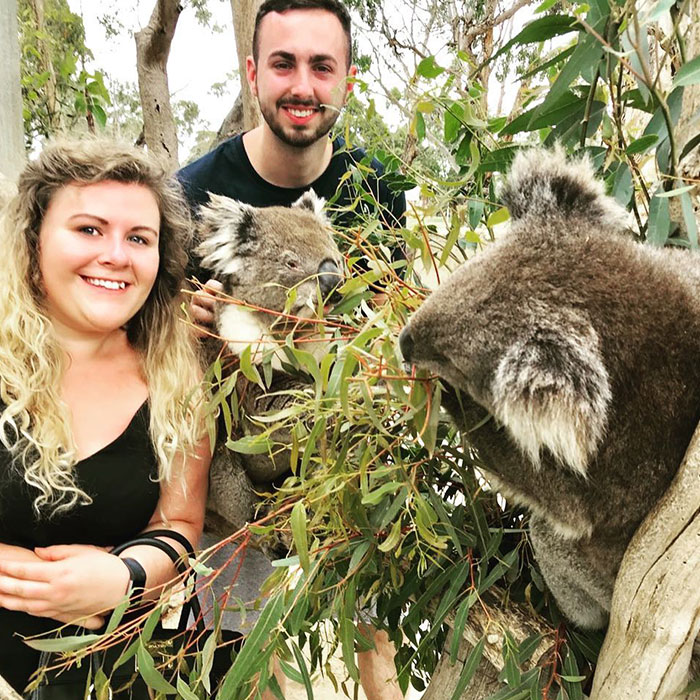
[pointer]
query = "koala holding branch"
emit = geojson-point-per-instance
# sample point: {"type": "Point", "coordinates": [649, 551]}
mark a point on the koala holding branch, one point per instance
{"type": "Point", "coordinates": [583, 346]}
{"type": "Point", "coordinates": [271, 262]}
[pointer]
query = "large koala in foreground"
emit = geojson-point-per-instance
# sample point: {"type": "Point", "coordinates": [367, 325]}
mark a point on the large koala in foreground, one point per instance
{"type": "Point", "coordinates": [584, 348]}
{"type": "Point", "coordinates": [270, 260]}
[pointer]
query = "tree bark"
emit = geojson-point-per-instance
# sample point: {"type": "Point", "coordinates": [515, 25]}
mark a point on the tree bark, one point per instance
{"type": "Point", "coordinates": [152, 50]}
{"type": "Point", "coordinates": [689, 166]}
{"type": "Point", "coordinates": [655, 615]}
{"type": "Point", "coordinates": [491, 622]}
{"type": "Point", "coordinates": [244, 12]}
{"type": "Point", "coordinates": [232, 124]}
{"type": "Point", "coordinates": [443, 682]}
{"type": "Point", "coordinates": [11, 127]}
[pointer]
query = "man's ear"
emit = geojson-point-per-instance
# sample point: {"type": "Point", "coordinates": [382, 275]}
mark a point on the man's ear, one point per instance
{"type": "Point", "coordinates": [251, 74]}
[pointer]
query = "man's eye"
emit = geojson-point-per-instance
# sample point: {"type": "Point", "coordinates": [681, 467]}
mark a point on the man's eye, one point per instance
{"type": "Point", "coordinates": [324, 69]}
{"type": "Point", "coordinates": [283, 65]}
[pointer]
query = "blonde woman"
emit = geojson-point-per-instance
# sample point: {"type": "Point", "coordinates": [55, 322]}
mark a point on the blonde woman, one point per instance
{"type": "Point", "coordinates": [99, 436]}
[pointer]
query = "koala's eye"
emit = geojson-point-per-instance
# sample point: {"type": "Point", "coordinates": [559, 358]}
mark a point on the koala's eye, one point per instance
{"type": "Point", "coordinates": [292, 264]}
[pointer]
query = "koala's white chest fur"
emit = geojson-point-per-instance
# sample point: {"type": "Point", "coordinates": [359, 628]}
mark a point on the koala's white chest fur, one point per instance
{"type": "Point", "coordinates": [240, 328]}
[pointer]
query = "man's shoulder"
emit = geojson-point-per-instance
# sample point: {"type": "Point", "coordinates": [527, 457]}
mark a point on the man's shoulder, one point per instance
{"type": "Point", "coordinates": [217, 171]}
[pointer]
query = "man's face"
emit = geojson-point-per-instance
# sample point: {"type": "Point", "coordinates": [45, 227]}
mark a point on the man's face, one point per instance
{"type": "Point", "coordinates": [300, 78]}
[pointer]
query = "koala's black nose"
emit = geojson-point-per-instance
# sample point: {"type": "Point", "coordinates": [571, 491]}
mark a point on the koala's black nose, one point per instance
{"type": "Point", "coordinates": [406, 345]}
{"type": "Point", "coordinates": [329, 277]}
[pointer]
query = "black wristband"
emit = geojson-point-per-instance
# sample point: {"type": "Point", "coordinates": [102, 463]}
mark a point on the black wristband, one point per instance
{"type": "Point", "coordinates": [137, 576]}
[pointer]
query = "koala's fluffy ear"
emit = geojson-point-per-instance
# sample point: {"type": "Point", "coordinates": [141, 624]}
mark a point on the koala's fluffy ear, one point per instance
{"type": "Point", "coordinates": [551, 390]}
{"type": "Point", "coordinates": [226, 226]}
{"type": "Point", "coordinates": [311, 201]}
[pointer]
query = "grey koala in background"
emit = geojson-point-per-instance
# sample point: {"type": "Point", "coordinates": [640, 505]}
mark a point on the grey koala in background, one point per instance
{"type": "Point", "coordinates": [275, 260]}
{"type": "Point", "coordinates": [583, 347]}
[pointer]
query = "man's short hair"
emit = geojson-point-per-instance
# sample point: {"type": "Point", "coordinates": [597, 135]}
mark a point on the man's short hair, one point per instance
{"type": "Point", "coordinates": [333, 6]}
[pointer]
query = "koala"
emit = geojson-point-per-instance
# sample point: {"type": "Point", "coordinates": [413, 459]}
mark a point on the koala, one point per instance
{"type": "Point", "coordinates": [260, 256]}
{"type": "Point", "coordinates": [276, 263]}
{"type": "Point", "coordinates": [582, 346]}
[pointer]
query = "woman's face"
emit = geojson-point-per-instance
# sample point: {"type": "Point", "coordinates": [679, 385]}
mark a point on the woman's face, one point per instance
{"type": "Point", "coordinates": [98, 254]}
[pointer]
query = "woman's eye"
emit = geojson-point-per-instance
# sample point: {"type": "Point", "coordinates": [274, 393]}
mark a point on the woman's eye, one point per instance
{"type": "Point", "coordinates": [139, 239]}
{"type": "Point", "coordinates": [89, 230]}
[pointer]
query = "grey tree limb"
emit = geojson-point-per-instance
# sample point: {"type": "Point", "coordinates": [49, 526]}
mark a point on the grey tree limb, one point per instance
{"type": "Point", "coordinates": [655, 615]}
{"type": "Point", "coordinates": [152, 51]}
{"type": "Point", "coordinates": [11, 127]}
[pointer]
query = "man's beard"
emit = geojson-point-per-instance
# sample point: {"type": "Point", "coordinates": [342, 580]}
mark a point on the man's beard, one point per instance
{"type": "Point", "coordinates": [301, 136]}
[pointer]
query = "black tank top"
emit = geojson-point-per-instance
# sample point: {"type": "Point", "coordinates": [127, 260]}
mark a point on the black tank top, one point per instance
{"type": "Point", "coordinates": [121, 479]}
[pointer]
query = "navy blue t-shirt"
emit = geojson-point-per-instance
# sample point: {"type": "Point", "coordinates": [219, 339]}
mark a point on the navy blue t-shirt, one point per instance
{"type": "Point", "coordinates": [227, 171]}
{"type": "Point", "coordinates": [352, 198]}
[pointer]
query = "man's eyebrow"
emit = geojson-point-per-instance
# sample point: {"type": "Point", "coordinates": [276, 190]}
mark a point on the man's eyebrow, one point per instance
{"type": "Point", "coordinates": [283, 54]}
{"type": "Point", "coordinates": [315, 58]}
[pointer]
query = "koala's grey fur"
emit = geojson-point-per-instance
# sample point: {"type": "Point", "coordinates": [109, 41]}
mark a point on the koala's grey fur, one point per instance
{"type": "Point", "coordinates": [584, 347]}
{"type": "Point", "coordinates": [259, 255]}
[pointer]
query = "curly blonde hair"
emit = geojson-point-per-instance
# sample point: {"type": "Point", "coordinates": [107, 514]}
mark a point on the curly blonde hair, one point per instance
{"type": "Point", "coordinates": [34, 420]}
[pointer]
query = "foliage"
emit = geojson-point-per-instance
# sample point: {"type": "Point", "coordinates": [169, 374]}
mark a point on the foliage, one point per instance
{"type": "Point", "coordinates": [58, 92]}
{"type": "Point", "coordinates": [383, 505]}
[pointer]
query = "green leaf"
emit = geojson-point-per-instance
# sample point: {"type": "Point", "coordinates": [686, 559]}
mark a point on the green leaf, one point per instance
{"type": "Point", "coordinates": [116, 617]}
{"type": "Point", "coordinates": [250, 444]}
{"type": "Point", "coordinates": [688, 73]}
{"type": "Point", "coordinates": [642, 144]}
{"type": "Point", "coordinates": [301, 664]}
{"type": "Point", "coordinates": [428, 68]}
{"type": "Point", "coordinates": [347, 630]}
{"type": "Point", "coordinates": [469, 668]}
{"type": "Point", "coordinates": [661, 8]}
{"type": "Point", "coordinates": [675, 192]}
{"type": "Point", "coordinates": [587, 54]}
{"type": "Point", "coordinates": [150, 674]}
{"type": "Point", "coordinates": [99, 114]}
{"type": "Point", "coordinates": [459, 623]}
{"type": "Point", "coordinates": [392, 538]}
{"type": "Point", "coordinates": [498, 217]}
{"type": "Point", "coordinates": [184, 690]}
{"type": "Point", "coordinates": [540, 30]}
{"type": "Point", "coordinates": [298, 523]}
{"type": "Point", "coordinates": [373, 497]}
{"type": "Point", "coordinates": [244, 664]}
{"type": "Point", "coordinates": [250, 372]}
{"type": "Point", "coordinates": [63, 644]}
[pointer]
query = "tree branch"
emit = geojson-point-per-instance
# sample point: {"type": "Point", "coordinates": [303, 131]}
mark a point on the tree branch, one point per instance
{"type": "Point", "coordinates": [152, 52]}
{"type": "Point", "coordinates": [655, 615]}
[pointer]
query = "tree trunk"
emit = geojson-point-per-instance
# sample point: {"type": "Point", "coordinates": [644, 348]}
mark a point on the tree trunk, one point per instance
{"type": "Point", "coordinates": [232, 124]}
{"type": "Point", "coordinates": [687, 128]}
{"type": "Point", "coordinates": [11, 127]}
{"type": "Point", "coordinates": [655, 615]}
{"type": "Point", "coordinates": [152, 51]}
{"type": "Point", "coordinates": [244, 12]}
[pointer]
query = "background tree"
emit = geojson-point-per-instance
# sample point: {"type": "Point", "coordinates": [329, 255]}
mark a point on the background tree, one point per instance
{"type": "Point", "coordinates": [11, 145]}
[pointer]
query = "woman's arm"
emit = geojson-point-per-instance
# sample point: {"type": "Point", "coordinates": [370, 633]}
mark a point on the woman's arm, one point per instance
{"type": "Point", "coordinates": [79, 582]}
